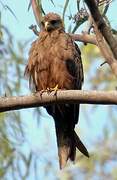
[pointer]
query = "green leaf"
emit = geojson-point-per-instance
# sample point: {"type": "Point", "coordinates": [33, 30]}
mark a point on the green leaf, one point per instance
{"type": "Point", "coordinates": [39, 4]}
{"type": "Point", "coordinates": [78, 5]}
{"type": "Point", "coordinates": [65, 8]}
{"type": "Point", "coordinates": [29, 5]}
{"type": "Point", "coordinates": [7, 7]}
{"type": "Point", "coordinates": [52, 2]}
{"type": "Point", "coordinates": [106, 9]}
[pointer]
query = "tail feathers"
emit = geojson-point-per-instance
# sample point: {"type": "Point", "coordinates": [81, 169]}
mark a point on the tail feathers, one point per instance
{"type": "Point", "coordinates": [80, 145]}
{"type": "Point", "coordinates": [72, 154]}
{"type": "Point", "coordinates": [63, 153]}
{"type": "Point", "coordinates": [68, 151]}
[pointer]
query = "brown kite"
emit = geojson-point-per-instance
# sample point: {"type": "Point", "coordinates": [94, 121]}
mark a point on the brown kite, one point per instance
{"type": "Point", "coordinates": [55, 61]}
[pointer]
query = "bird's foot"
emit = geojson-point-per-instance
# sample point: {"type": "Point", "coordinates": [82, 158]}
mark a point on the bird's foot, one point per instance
{"type": "Point", "coordinates": [55, 89]}
{"type": "Point", "coordinates": [48, 91]}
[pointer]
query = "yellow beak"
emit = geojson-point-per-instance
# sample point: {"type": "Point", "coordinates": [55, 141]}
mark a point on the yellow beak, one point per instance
{"type": "Point", "coordinates": [47, 26]}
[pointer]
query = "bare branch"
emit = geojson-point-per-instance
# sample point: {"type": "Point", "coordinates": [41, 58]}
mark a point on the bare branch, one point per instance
{"type": "Point", "coordinates": [36, 11]}
{"type": "Point", "coordinates": [69, 96]}
{"type": "Point", "coordinates": [102, 26]}
{"type": "Point", "coordinates": [105, 46]}
{"type": "Point", "coordinates": [107, 54]}
{"type": "Point", "coordinates": [85, 38]}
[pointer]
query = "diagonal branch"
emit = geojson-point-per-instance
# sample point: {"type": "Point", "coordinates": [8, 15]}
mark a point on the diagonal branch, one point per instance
{"type": "Point", "coordinates": [105, 50]}
{"type": "Point", "coordinates": [102, 26]}
{"type": "Point", "coordinates": [69, 96]}
{"type": "Point", "coordinates": [36, 11]}
{"type": "Point", "coordinates": [105, 40]}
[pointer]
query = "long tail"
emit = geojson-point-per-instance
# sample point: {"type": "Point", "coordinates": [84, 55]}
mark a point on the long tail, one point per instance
{"type": "Point", "coordinates": [67, 144]}
{"type": "Point", "coordinates": [65, 117]}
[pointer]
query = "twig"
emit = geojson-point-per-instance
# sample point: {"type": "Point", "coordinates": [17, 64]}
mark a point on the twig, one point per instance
{"type": "Point", "coordinates": [34, 29]}
{"type": "Point", "coordinates": [69, 96]}
{"type": "Point", "coordinates": [103, 63]}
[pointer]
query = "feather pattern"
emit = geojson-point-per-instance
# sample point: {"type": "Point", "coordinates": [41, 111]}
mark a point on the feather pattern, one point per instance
{"type": "Point", "coordinates": [55, 59]}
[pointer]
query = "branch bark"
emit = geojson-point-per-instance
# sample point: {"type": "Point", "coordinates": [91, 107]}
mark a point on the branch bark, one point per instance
{"type": "Point", "coordinates": [102, 26]}
{"type": "Point", "coordinates": [69, 96]}
{"type": "Point", "coordinates": [85, 38]}
{"type": "Point", "coordinates": [105, 50]}
{"type": "Point", "coordinates": [36, 11]}
{"type": "Point", "coordinates": [105, 40]}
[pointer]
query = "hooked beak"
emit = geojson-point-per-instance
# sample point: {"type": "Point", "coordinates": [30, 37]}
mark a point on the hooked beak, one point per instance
{"type": "Point", "coordinates": [48, 26]}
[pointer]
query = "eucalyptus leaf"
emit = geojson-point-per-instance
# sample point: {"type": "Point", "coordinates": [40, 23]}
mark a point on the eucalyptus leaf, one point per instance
{"type": "Point", "coordinates": [65, 8]}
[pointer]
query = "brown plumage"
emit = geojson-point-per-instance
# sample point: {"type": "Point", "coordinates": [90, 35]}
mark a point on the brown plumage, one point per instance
{"type": "Point", "coordinates": [54, 59]}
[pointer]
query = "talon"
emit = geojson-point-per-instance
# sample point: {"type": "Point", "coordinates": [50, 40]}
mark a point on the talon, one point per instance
{"type": "Point", "coordinates": [41, 92]}
{"type": "Point", "coordinates": [48, 90]}
{"type": "Point", "coordinates": [55, 89]}
{"type": "Point", "coordinates": [45, 90]}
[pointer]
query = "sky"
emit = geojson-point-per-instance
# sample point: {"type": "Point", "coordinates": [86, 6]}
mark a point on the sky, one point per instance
{"type": "Point", "coordinates": [19, 28]}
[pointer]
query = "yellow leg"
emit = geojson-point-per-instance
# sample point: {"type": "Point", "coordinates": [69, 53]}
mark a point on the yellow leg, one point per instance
{"type": "Point", "coordinates": [49, 90]}
{"type": "Point", "coordinates": [55, 89]}
{"type": "Point", "coordinates": [44, 90]}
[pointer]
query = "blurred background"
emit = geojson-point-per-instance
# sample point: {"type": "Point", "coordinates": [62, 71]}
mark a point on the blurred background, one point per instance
{"type": "Point", "coordinates": [27, 137]}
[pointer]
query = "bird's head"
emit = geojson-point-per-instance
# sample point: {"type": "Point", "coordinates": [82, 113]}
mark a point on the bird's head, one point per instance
{"type": "Point", "coordinates": [51, 22]}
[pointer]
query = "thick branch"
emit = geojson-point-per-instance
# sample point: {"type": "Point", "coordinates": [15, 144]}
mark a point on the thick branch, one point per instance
{"type": "Point", "coordinates": [105, 50]}
{"type": "Point", "coordinates": [85, 38]}
{"type": "Point", "coordinates": [69, 96]}
{"type": "Point", "coordinates": [102, 26]}
{"type": "Point", "coordinates": [36, 11]}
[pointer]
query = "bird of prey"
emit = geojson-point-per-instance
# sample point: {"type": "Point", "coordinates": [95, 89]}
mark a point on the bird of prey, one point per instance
{"type": "Point", "coordinates": [55, 61]}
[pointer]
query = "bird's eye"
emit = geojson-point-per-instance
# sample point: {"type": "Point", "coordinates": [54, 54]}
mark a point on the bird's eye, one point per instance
{"type": "Point", "coordinates": [53, 22]}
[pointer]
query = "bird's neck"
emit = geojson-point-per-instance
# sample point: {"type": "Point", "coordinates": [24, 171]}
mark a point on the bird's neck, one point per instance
{"type": "Point", "coordinates": [55, 34]}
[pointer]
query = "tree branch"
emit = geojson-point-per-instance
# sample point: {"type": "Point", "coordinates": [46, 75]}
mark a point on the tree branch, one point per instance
{"type": "Point", "coordinates": [102, 26]}
{"type": "Point", "coordinates": [36, 11]}
{"type": "Point", "coordinates": [69, 96]}
{"type": "Point", "coordinates": [102, 31]}
{"type": "Point", "coordinates": [105, 50]}
{"type": "Point", "coordinates": [85, 37]}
